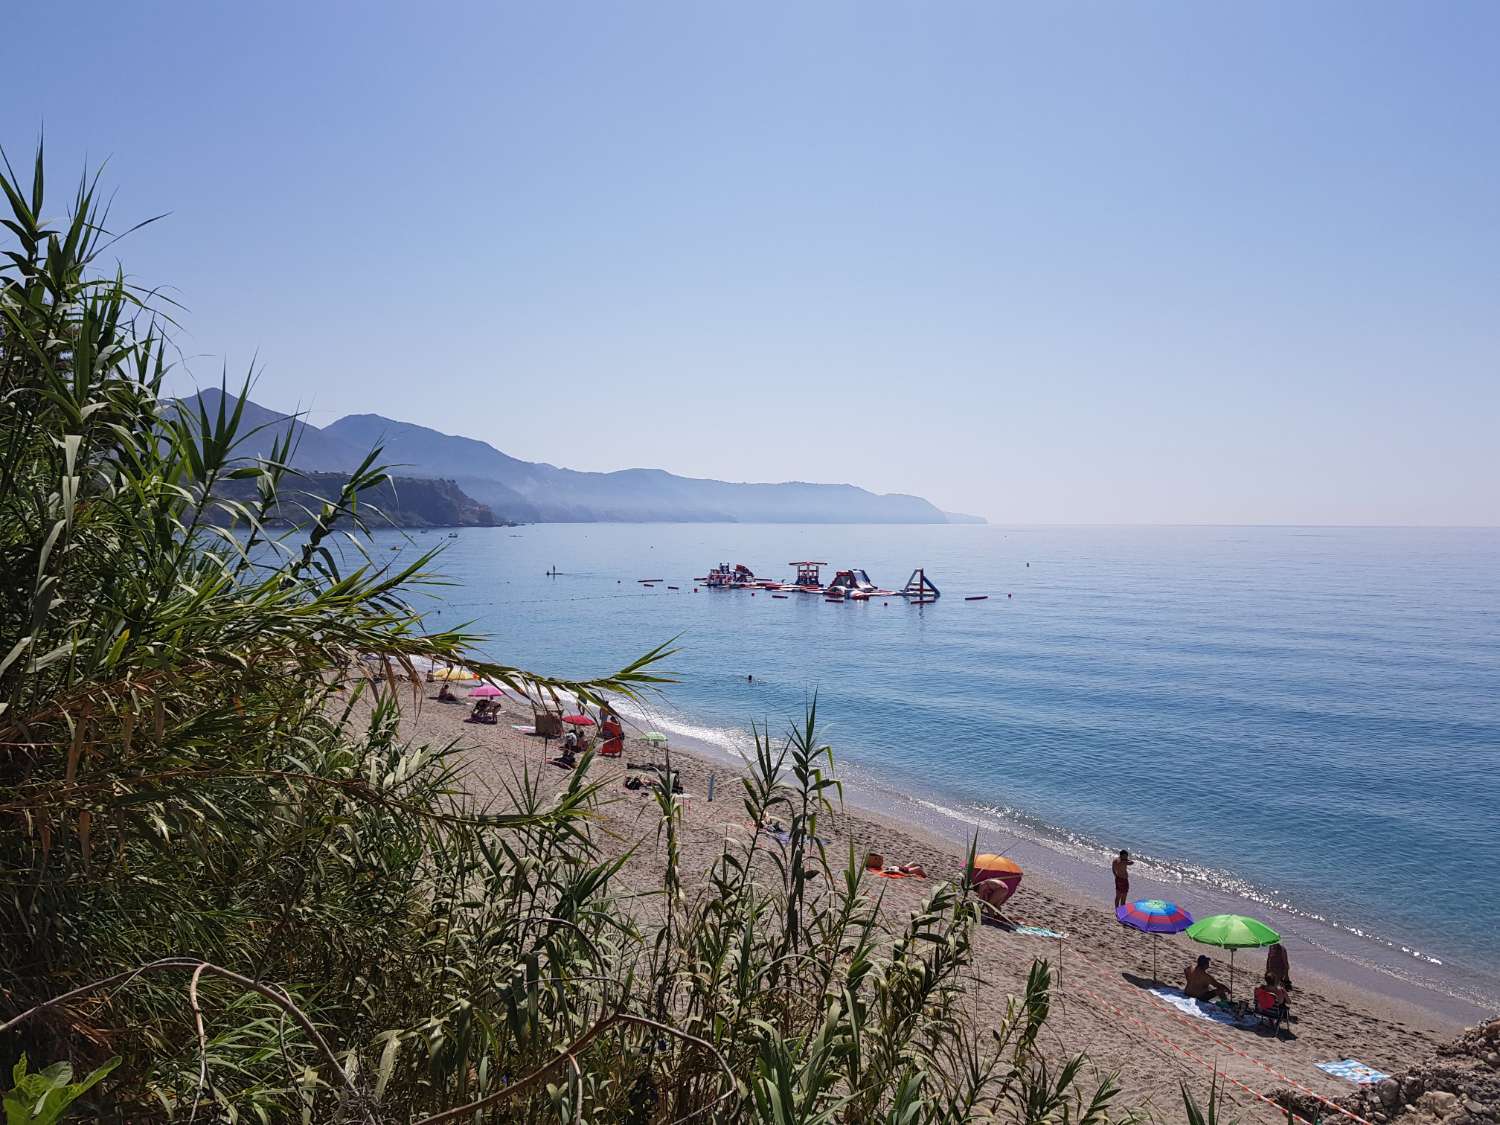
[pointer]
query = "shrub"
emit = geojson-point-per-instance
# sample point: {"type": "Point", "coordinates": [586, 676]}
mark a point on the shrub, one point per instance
{"type": "Point", "coordinates": [270, 906]}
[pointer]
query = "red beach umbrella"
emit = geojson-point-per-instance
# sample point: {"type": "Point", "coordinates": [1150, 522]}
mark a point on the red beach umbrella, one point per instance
{"type": "Point", "coordinates": [578, 720]}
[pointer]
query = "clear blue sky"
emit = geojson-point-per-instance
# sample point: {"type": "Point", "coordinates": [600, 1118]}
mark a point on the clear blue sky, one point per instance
{"type": "Point", "coordinates": [1138, 262]}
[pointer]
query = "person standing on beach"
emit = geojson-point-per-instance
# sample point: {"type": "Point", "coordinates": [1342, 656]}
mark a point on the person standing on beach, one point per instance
{"type": "Point", "coordinates": [1278, 965]}
{"type": "Point", "coordinates": [1121, 868]}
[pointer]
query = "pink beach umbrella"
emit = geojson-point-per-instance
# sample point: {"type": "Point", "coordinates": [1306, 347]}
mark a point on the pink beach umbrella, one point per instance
{"type": "Point", "coordinates": [485, 691]}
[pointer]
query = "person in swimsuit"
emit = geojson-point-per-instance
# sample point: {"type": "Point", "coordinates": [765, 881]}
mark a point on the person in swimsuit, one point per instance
{"type": "Point", "coordinates": [992, 894]}
{"type": "Point", "coordinates": [1201, 984]}
{"type": "Point", "coordinates": [1121, 868]}
{"type": "Point", "coordinates": [1274, 987]}
{"type": "Point", "coordinates": [1278, 965]}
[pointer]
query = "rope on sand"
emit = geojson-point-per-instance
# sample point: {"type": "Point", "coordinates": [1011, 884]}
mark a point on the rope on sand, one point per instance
{"type": "Point", "coordinates": [1267, 1067]}
{"type": "Point", "coordinates": [1281, 1111]}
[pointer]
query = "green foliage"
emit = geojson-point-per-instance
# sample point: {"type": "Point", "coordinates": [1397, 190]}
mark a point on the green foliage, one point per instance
{"type": "Point", "coordinates": [44, 1097]}
{"type": "Point", "coordinates": [223, 863]}
{"type": "Point", "coordinates": [1209, 1112]}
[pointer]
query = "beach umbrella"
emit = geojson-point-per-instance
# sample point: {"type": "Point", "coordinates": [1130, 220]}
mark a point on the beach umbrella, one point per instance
{"type": "Point", "coordinates": [485, 691]}
{"type": "Point", "coordinates": [1154, 916]}
{"type": "Point", "coordinates": [578, 720]}
{"type": "Point", "coordinates": [454, 675]}
{"type": "Point", "coordinates": [654, 736]}
{"type": "Point", "coordinates": [991, 866]}
{"type": "Point", "coordinates": [1232, 932]}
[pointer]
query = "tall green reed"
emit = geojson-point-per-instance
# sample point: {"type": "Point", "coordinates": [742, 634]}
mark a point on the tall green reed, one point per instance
{"type": "Point", "coordinates": [225, 865]}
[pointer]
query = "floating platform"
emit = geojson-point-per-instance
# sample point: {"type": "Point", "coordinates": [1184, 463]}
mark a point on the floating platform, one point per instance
{"type": "Point", "coordinates": [920, 588]}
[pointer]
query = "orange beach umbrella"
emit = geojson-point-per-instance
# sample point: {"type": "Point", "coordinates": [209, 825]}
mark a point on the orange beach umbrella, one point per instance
{"type": "Point", "coordinates": [991, 866]}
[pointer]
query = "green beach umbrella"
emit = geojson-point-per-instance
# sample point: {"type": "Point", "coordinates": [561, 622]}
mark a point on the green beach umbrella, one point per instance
{"type": "Point", "coordinates": [1231, 932]}
{"type": "Point", "coordinates": [653, 736]}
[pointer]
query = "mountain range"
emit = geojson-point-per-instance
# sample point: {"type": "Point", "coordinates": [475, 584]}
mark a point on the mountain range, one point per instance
{"type": "Point", "coordinates": [534, 492]}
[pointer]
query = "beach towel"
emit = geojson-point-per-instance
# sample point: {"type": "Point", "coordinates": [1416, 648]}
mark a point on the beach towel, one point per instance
{"type": "Point", "coordinates": [522, 729]}
{"type": "Point", "coordinates": [1352, 1070]}
{"type": "Point", "coordinates": [1037, 931]}
{"type": "Point", "coordinates": [1203, 1009]}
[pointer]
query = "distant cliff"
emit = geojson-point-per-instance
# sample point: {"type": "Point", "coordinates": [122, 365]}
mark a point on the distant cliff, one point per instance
{"type": "Point", "coordinates": [535, 492]}
{"type": "Point", "coordinates": [399, 502]}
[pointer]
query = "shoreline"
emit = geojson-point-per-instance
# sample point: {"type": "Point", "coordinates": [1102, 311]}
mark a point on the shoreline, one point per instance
{"type": "Point", "coordinates": [1079, 872]}
{"type": "Point", "coordinates": [1102, 1002]}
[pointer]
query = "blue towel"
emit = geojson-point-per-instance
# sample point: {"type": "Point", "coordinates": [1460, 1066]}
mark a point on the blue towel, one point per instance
{"type": "Point", "coordinates": [1353, 1070]}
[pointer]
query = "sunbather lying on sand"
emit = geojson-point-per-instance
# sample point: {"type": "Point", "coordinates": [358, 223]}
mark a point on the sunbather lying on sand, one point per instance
{"type": "Point", "coordinates": [1201, 984]}
{"type": "Point", "coordinates": [875, 865]}
{"type": "Point", "coordinates": [653, 782]}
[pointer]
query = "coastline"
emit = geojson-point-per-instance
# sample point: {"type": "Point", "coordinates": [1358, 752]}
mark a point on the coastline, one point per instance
{"type": "Point", "coordinates": [1341, 958]}
{"type": "Point", "coordinates": [1102, 1005]}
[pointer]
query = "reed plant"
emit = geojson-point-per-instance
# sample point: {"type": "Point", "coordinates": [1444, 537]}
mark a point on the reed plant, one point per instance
{"type": "Point", "coordinates": [231, 890]}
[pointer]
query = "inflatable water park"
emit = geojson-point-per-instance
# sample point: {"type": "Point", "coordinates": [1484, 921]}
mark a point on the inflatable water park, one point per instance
{"type": "Point", "coordinates": [852, 585]}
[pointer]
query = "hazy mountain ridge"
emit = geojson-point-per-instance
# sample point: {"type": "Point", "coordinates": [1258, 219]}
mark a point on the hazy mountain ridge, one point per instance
{"type": "Point", "coordinates": [399, 502]}
{"type": "Point", "coordinates": [535, 492]}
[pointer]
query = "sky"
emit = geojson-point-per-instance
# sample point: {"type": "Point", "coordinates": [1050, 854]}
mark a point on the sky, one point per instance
{"type": "Point", "coordinates": [1045, 263]}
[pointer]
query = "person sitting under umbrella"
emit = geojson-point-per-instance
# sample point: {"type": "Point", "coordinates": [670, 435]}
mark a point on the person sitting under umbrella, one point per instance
{"type": "Point", "coordinates": [1274, 987]}
{"type": "Point", "coordinates": [992, 894]}
{"type": "Point", "coordinates": [1201, 984]}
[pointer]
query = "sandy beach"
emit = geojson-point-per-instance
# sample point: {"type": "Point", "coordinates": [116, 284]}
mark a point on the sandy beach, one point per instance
{"type": "Point", "coordinates": [1103, 1002]}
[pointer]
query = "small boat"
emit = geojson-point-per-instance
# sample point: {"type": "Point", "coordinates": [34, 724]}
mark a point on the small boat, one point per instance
{"type": "Point", "coordinates": [977, 598]}
{"type": "Point", "coordinates": [779, 597]}
{"type": "Point", "coordinates": [674, 587]}
{"type": "Point", "coordinates": [648, 581]}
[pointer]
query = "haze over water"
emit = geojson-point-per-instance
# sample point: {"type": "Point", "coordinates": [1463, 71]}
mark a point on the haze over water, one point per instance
{"type": "Point", "coordinates": [1310, 714]}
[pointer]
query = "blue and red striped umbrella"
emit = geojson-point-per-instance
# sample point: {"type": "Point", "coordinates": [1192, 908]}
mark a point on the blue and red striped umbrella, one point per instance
{"type": "Point", "coordinates": [1154, 916]}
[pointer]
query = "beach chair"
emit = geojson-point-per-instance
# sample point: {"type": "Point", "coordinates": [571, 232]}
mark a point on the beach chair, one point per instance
{"type": "Point", "coordinates": [1268, 1010]}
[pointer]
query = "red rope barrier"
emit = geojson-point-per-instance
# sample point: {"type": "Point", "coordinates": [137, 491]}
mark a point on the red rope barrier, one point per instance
{"type": "Point", "coordinates": [1186, 1021]}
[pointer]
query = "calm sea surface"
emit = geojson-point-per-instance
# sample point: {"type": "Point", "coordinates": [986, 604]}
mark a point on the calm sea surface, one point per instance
{"type": "Point", "coordinates": [1307, 716]}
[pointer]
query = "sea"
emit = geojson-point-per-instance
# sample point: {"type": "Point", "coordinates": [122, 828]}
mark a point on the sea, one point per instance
{"type": "Point", "coordinates": [1301, 723]}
